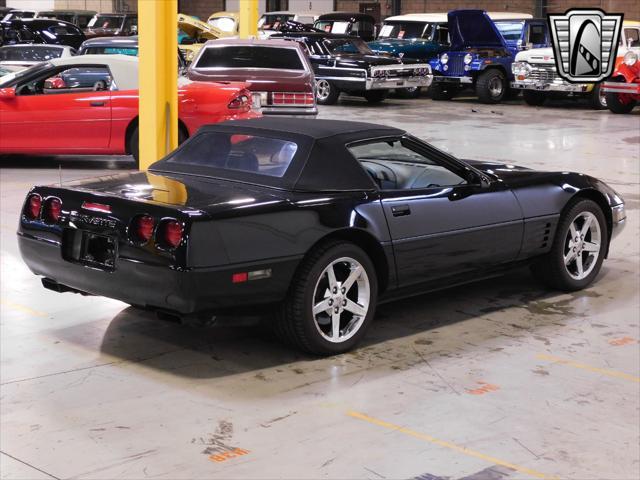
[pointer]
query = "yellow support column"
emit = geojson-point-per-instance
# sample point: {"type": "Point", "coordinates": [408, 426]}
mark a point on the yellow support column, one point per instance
{"type": "Point", "coordinates": [248, 18]}
{"type": "Point", "coordinates": [158, 41]}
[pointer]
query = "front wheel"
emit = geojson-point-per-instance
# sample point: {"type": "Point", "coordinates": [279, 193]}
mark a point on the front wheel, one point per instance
{"type": "Point", "coordinates": [332, 300]}
{"type": "Point", "coordinates": [534, 98]}
{"type": "Point", "coordinates": [491, 86]}
{"type": "Point", "coordinates": [597, 98]}
{"type": "Point", "coordinates": [326, 92]}
{"type": "Point", "coordinates": [411, 92]}
{"type": "Point", "coordinates": [619, 102]}
{"type": "Point", "coordinates": [376, 96]}
{"type": "Point", "coordinates": [578, 249]}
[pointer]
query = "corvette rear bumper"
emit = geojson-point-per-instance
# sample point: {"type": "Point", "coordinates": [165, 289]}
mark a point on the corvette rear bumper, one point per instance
{"type": "Point", "coordinates": [158, 286]}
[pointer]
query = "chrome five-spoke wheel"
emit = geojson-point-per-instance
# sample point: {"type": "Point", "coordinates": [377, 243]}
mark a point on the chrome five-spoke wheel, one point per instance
{"type": "Point", "coordinates": [582, 245]}
{"type": "Point", "coordinates": [323, 89]}
{"type": "Point", "coordinates": [341, 299]}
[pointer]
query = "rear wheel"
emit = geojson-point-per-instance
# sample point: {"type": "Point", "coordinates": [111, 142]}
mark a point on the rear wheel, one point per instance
{"type": "Point", "coordinates": [578, 249]}
{"type": "Point", "coordinates": [491, 86]}
{"type": "Point", "coordinates": [376, 96]}
{"type": "Point", "coordinates": [440, 91]}
{"type": "Point", "coordinates": [332, 300]}
{"type": "Point", "coordinates": [619, 102]}
{"type": "Point", "coordinates": [534, 98]}
{"type": "Point", "coordinates": [597, 98]}
{"type": "Point", "coordinates": [326, 92]}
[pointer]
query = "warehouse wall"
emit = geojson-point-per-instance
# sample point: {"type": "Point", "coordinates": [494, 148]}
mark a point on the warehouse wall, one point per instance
{"type": "Point", "coordinates": [630, 8]}
{"type": "Point", "coordinates": [200, 8]}
{"type": "Point", "coordinates": [31, 4]}
{"type": "Point", "coordinates": [97, 5]}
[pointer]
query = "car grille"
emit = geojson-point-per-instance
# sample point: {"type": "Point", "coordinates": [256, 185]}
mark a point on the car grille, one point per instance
{"type": "Point", "coordinates": [544, 73]}
{"type": "Point", "coordinates": [400, 73]}
{"type": "Point", "coordinates": [456, 65]}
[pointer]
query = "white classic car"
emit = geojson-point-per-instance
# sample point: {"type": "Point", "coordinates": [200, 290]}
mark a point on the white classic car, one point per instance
{"type": "Point", "coordinates": [535, 73]}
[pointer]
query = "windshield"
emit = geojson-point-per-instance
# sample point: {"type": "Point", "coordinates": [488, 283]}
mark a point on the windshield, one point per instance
{"type": "Point", "coordinates": [7, 80]}
{"type": "Point", "coordinates": [106, 21]}
{"type": "Point", "coordinates": [406, 30]}
{"type": "Point", "coordinates": [226, 24]}
{"type": "Point", "coordinates": [18, 14]}
{"type": "Point", "coordinates": [348, 45]}
{"type": "Point", "coordinates": [233, 152]}
{"type": "Point", "coordinates": [273, 21]}
{"type": "Point", "coordinates": [131, 51]}
{"type": "Point", "coordinates": [250, 57]}
{"type": "Point", "coordinates": [511, 31]}
{"type": "Point", "coordinates": [28, 53]}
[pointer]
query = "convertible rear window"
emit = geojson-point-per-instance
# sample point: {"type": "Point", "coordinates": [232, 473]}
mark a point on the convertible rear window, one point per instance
{"type": "Point", "coordinates": [244, 153]}
{"type": "Point", "coordinates": [29, 53]}
{"type": "Point", "coordinates": [250, 57]}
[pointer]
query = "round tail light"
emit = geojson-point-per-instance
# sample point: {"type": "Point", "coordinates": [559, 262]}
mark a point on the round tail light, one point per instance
{"type": "Point", "coordinates": [52, 210]}
{"type": "Point", "coordinates": [33, 206]}
{"type": "Point", "coordinates": [142, 228]}
{"type": "Point", "coordinates": [170, 234]}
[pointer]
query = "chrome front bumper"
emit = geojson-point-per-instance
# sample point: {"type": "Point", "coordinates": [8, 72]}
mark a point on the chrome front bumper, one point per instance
{"type": "Point", "coordinates": [551, 86]}
{"type": "Point", "coordinates": [389, 83]}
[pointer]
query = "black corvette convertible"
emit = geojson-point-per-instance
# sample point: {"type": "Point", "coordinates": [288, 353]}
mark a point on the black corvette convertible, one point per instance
{"type": "Point", "coordinates": [319, 219]}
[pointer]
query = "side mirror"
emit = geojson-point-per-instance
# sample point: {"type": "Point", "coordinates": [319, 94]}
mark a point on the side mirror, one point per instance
{"type": "Point", "coordinates": [7, 93]}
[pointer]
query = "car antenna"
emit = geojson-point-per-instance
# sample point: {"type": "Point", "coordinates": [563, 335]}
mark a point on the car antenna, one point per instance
{"type": "Point", "coordinates": [60, 173]}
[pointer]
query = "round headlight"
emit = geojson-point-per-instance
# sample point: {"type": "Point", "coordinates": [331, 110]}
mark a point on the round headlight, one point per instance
{"type": "Point", "coordinates": [630, 58]}
{"type": "Point", "coordinates": [468, 58]}
{"type": "Point", "coordinates": [444, 58]}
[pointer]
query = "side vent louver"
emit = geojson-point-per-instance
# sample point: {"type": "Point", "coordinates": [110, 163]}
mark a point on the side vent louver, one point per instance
{"type": "Point", "coordinates": [545, 238]}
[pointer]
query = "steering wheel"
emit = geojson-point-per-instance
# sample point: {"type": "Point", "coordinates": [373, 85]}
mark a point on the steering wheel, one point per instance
{"type": "Point", "coordinates": [99, 86]}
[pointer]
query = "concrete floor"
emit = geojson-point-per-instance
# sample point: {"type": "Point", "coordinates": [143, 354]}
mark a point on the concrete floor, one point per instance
{"type": "Point", "coordinates": [496, 380]}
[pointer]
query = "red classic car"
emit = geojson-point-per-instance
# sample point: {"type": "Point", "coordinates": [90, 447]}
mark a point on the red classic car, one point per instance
{"type": "Point", "coordinates": [623, 89]}
{"type": "Point", "coordinates": [277, 72]}
{"type": "Point", "coordinates": [89, 105]}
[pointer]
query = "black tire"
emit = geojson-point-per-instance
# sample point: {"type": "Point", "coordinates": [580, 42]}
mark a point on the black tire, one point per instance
{"type": "Point", "coordinates": [597, 100]}
{"type": "Point", "coordinates": [134, 143]}
{"type": "Point", "coordinates": [295, 323]}
{"type": "Point", "coordinates": [551, 269]}
{"type": "Point", "coordinates": [615, 104]}
{"type": "Point", "coordinates": [485, 86]}
{"type": "Point", "coordinates": [326, 92]}
{"type": "Point", "coordinates": [534, 98]}
{"type": "Point", "coordinates": [440, 91]}
{"type": "Point", "coordinates": [409, 92]}
{"type": "Point", "coordinates": [376, 96]}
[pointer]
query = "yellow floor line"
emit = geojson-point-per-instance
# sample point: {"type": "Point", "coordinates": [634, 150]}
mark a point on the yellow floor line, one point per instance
{"type": "Point", "coordinates": [449, 445]}
{"type": "Point", "coordinates": [570, 363]}
{"type": "Point", "coordinates": [22, 308]}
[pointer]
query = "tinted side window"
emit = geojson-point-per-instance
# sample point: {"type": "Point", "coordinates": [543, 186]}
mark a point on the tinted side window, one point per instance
{"type": "Point", "coordinates": [63, 30]}
{"type": "Point", "coordinates": [394, 166]}
{"type": "Point", "coordinates": [250, 57]}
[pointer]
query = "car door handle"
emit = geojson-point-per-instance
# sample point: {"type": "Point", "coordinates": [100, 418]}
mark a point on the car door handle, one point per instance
{"type": "Point", "coordinates": [97, 104]}
{"type": "Point", "coordinates": [400, 210]}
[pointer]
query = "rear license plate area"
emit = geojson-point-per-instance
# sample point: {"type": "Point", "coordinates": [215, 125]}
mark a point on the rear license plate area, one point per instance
{"type": "Point", "coordinates": [90, 249]}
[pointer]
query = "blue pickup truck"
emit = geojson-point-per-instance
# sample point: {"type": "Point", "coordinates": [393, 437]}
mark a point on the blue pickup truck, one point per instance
{"type": "Point", "coordinates": [483, 47]}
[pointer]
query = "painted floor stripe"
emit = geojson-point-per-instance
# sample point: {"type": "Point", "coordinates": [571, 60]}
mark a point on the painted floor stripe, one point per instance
{"type": "Point", "coordinates": [22, 308]}
{"type": "Point", "coordinates": [603, 371]}
{"type": "Point", "coordinates": [449, 445]}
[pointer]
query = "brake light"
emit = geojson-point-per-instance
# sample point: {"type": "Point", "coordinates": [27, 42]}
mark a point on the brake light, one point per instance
{"type": "Point", "coordinates": [142, 228]}
{"type": "Point", "coordinates": [33, 206]}
{"type": "Point", "coordinates": [170, 234]}
{"type": "Point", "coordinates": [242, 101]}
{"type": "Point", "coordinates": [292, 98]}
{"type": "Point", "coordinates": [52, 210]}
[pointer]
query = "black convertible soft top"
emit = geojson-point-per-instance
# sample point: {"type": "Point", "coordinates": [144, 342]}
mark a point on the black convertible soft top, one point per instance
{"type": "Point", "coordinates": [321, 163]}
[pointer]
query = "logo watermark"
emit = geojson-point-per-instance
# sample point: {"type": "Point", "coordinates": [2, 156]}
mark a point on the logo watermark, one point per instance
{"type": "Point", "coordinates": [585, 43]}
